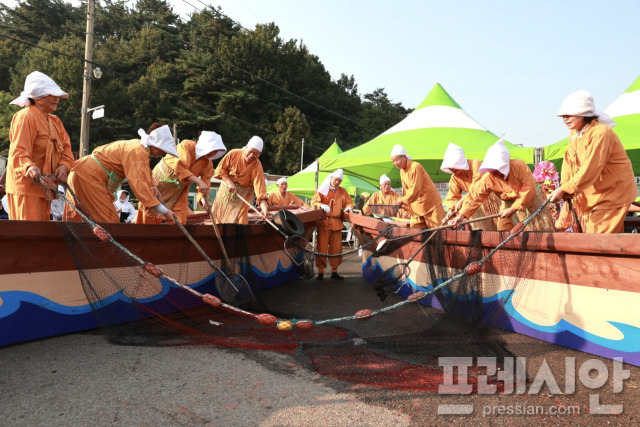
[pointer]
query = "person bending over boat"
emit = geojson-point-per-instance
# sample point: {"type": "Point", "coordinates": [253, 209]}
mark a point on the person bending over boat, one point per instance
{"type": "Point", "coordinates": [242, 172]}
{"type": "Point", "coordinates": [463, 173]}
{"type": "Point", "coordinates": [419, 194]}
{"type": "Point", "coordinates": [123, 206]}
{"type": "Point", "coordinates": [172, 176]}
{"type": "Point", "coordinates": [281, 197]}
{"type": "Point", "coordinates": [510, 179]}
{"type": "Point", "coordinates": [386, 196]}
{"type": "Point", "coordinates": [596, 171]}
{"type": "Point", "coordinates": [95, 178]}
{"type": "Point", "coordinates": [39, 144]}
{"type": "Point", "coordinates": [332, 199]}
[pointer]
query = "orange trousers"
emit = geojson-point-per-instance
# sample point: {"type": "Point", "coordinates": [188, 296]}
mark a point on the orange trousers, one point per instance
{"type": "Point", "coordinates": [28, 208]}
{"type": "Point", "coordinates": [329, 242]}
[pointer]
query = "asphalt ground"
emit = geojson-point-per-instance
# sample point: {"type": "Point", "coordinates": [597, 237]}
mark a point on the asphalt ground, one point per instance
{"type": "Point", "coordinates": [83, 379]}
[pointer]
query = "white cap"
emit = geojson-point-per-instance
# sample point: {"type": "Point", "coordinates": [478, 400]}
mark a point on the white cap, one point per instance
{"type": "Point", "coordinates": [208, 142]}
{"type": "Point", "coordinates": [497, 158]}
{"type": "Point", "coordinates": [384, 178]}
{"type": "Point", "coordinates": [580, 103]}
{"type": "Point", "coordinates": [454, 159]}
{"type": "Point", "coordinates": [398, 150]}
{"type": "Point", "coordinates": [326, 184]}
{"type": "Point", "coordinates": [37, 85]}
{"type": "Point", "coordinates": [160, 138]}
{"type": "Point", "coordinates": [255, 142]}
{"type": "Point", "coordinates": [281, 180]}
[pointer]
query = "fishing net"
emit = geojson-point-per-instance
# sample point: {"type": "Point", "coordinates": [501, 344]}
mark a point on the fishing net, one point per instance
{"type": "Point", "coordinates": [148, 285]}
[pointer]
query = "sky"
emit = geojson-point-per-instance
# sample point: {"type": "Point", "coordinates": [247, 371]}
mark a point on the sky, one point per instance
{"type": "Point", "coordinates": [508, 63]}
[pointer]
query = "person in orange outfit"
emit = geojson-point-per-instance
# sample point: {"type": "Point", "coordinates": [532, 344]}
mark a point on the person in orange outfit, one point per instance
{"type": "Point", "coordinates": [419, 194]}
{"type": "Point", "coordinates": [510, 179]}
{"type": "Point", "coordinates": [241, 172]}
{"type": "Point", "coordinates": [463, 173]}
{"type": "Point", "coordinates": [96, 177]}
{"type": "Point", "coordinates": [281, 197]}
{"type": "Point", "coordinates": [39, 144]}
{"type": "Point", "coordinates": [596, 171]}
{"type": "Point", "coordinates": [333, 199]}
{"type": "Point", "coordinates": [173, 176]}
{"type": "Point", "coordinates": [386, 196]}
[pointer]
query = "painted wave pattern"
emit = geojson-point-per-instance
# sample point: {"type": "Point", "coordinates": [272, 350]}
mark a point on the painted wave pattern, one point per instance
{"type": "Point", "coordinates": [562, 333]}
{"type": "Point", "coordinates": [25, 315]}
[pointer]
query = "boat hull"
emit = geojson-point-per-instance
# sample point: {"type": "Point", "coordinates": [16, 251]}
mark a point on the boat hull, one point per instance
{"type": "Point", "coordinates": [41, 291]}
{"type": "Point", "coordinates": [576, 290]}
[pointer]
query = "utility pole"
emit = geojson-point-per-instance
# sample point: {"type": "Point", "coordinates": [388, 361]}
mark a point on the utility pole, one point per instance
{"type": "Point", "coordinates": [302, 155]}
{"type": "Point", "coordinates": [86, 85]}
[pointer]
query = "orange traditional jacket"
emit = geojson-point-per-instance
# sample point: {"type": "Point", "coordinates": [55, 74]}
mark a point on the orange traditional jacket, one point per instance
{"type": "Point", "coordinates": [379, 198]}
{"type": "Point", "coordinates": [338, 201]}
{"type": "Point", "coordinates": [276, 199]}
{"type": "Point", "coordinates": [35, 141]}
{"type": "Point", "coordinates": [461, 182]}
{"type": "Point", "coordinates": [186, 164]}
{"type": "Point", "coordinates": [244, 174]}
{"type": "Point", "coordinates": [418, 190]}
{"type": "Point", "coordinates": [131, 160]}
{"type": "Point", "coordinates": [519, 188]}
{"type": "Point", "coordinates": [597, 169]}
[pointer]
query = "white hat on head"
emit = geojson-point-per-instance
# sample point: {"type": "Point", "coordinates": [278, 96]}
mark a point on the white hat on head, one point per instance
{"type": "Point", "coordinates": [384, 178]}
{"type": "Point", "coordinates": [37, 85]}
{"type": "Point", "coordinates": [398, 150]}
{"type": "Point", "coordinates": [497, 158]}
{"type": "Point", "coordinates": [326, 184]}
{"type": "Point", "coordinates": [160, 138]}
{"type": "Point", "coordinates": [255, 142]}
{"type": "Point", "coordinates": [580, 103]}
{"type": "Point", "coordinates": [208, 142]}
{"type": "Point", "coordinates": [281, 180]}
{"type": "Point", "coordinates": [454, 159]}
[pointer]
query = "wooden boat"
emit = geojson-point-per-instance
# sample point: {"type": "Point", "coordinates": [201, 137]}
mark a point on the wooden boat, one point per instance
{"type": "Point", "coordinates": [581, 291]}
{"type": "Point", "coordinates": [41, 293]}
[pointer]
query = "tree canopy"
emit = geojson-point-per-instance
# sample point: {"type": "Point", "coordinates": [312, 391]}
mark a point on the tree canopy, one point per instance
{"type": "Point", "coordinates": [207, 73]}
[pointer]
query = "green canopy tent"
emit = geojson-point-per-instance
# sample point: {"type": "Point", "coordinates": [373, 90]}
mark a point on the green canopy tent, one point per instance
{"type": "Point", "coordinates": [625, 111]}
{"type": "Point", "coordinates": [425, 134]}
{"type": "Point", "coordinates": [303, 184]}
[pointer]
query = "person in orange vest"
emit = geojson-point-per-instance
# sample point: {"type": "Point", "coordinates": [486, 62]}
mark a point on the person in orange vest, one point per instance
{"type": "Point", "coordinates": [597, 174]}
{"type": "Point", "coordinates": [333, 200]}
{"type": "Point", "coordinates": [281, 197]}
{"type": "Point", "coordinates": [463, 173]}
{"type": "Point", "coordinates": [39, 144]}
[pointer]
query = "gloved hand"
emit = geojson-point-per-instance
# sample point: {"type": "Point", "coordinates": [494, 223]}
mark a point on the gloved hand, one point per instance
{"type": "Point", "coordinates": [348, 209]}
{"type": "Point", "coordinates": [325, 208]}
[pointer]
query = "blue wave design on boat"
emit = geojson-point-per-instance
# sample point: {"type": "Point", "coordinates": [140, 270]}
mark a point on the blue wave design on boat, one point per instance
{"type": "Point", "coordinates": [630, 343]}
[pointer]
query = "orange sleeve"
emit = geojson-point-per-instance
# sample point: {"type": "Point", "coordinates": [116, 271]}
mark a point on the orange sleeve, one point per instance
{"type": "Point", "coordinates": [478, 193]}
{"type": "Point", "coordinates": [22, 134]}
{"type": "Point", "coordinates": [136, 168]}
{"type": "Point", "coordinates": [67, 155]}
{"type": "Point", "coordinates": [259, 187]}
{"type": "Point", "coordinates": [411, 184]}
{"type": "Point", "coordinates": [593, 158]}
{"type": "Point", "coordinates": [527, 192]}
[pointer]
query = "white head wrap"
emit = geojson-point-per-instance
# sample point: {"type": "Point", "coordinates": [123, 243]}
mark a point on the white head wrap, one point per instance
{"type": "Point", "coordinates": [580, 103]}
{"type": "Point", "coordinates": [119, 193]}
{"type": "Point", "coordinates": [326, 184]}
{"type": "Point", "coordinates": [255, 142]}
{"type": "Point", "coordinates": [5, 204]}
{"type": "Point", "coordinates": [37, 85]}
{"type": "Point", "coordinates": [160, 138]}
{"type": "Point", "coordinates": [454, 159]}
{"type": "Point", "coordinates": [384, 178]}
{"type": "Point", "coordinates": [207, 142]}
{"type": "Point", "coordinates": [398, 150]}
{"type": "Point", "coordinates": [281, 180]}
{"type": "Point", "coordinates": [497, 158]}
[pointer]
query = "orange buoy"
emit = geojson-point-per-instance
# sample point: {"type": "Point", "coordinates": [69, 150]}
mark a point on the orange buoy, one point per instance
{"type": "Point", "coordinates": [364, 314]}
{"type": "Point", "coordinates": [267, 319]}
{"type": "Point", "coordinates": [152, 269]}
{"type": "Point", "coordinates": [304, 324]}
{"type": "Point", "coordinates": [416, 296]}
{"type": "Point", "coordinates": [516, 229]}
{"type": "Point", "coordinates": [211, 300]}
{"type": "Point", "coordinates": [473, 268]}
{"type": "Point", "coordinates": [101, 233]}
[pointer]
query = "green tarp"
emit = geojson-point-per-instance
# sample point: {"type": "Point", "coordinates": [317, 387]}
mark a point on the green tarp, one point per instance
{"type": "Point", "coordinates": [425, 134]}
